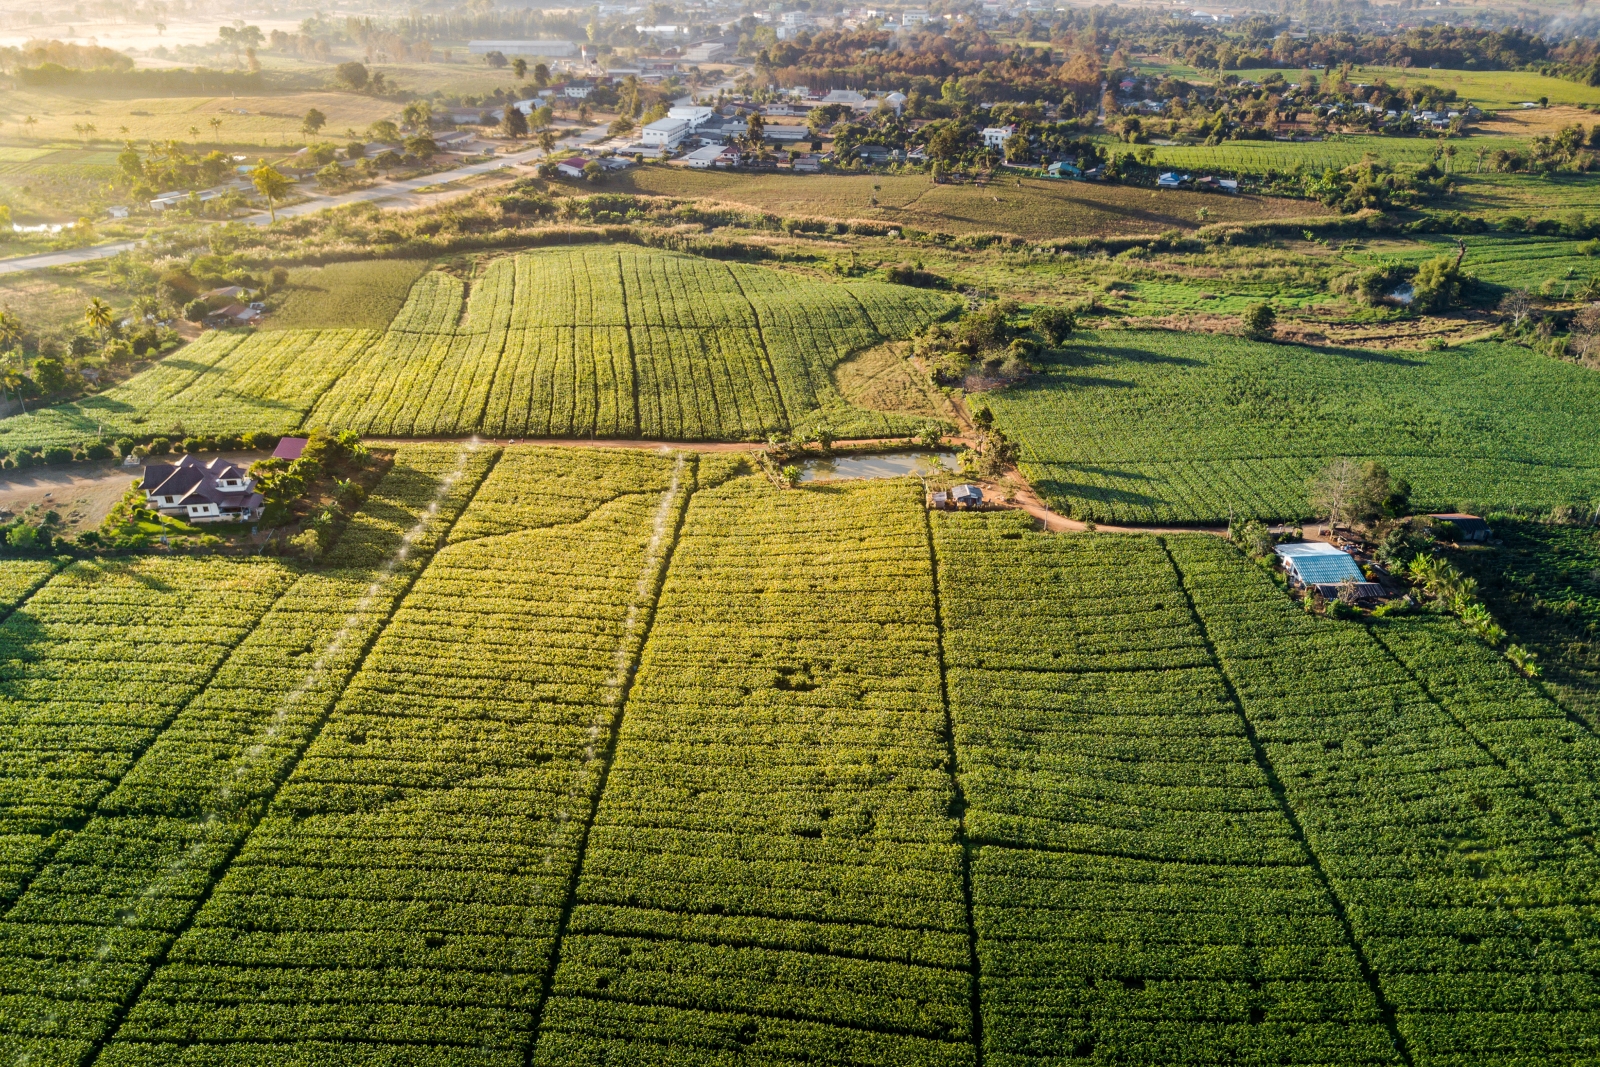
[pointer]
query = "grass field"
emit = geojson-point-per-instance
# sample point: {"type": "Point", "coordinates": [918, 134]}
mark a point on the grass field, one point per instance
{"type": "Point", "coordinates": [614, 342]}
{"type": "Point", "coordinates": [1492, 90]}
{"type": "Point", "coordinates": [1037, 208]}
{"type": "Point", "coordinates": [268, 120]}
{"type": "Point", "coordinates": [1508, 262]}
{"type": "Point", "coordinates": [1169, 427]}
{"type": "Point", "coordinates": [366, 294]}
{"type": "Point", "coordinates": [686, 769]}
{"type": "Point", "coordinates": [1338, 151]}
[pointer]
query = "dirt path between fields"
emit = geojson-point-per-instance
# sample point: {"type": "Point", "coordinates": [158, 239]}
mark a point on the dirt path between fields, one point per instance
{"type": "Point", "coordinates": [1011, 493]}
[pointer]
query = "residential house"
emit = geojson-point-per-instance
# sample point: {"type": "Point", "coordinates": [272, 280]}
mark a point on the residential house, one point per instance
{"type": "Point", "coordinates": [572, 168]}
{"type": "Point", "coordinates": [810, 163]}
{"type": "Point", "coordinates": [1170, 180]}
{"type": "Point", "coordinates": [996, 136]}
{"type": "Point", "coordinates": [217, 491]}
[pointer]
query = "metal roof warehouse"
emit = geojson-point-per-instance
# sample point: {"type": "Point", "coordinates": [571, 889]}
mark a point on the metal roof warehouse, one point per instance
{"type": "Point", "coordinates": [1316, 563]}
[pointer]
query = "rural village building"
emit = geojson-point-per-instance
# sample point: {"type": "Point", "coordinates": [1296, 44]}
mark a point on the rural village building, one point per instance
{"type": "Point", "coordinates": [1468, 527]}
{"type": "Point", "coordinates": [216, 491]}
{"type": "Point", "coordinates": [1323, 567]}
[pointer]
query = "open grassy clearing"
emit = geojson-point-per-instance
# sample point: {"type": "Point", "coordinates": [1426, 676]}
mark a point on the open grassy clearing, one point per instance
{"type": "Point", "coordinates": [1492, 90]}
{"type": "Point", "coordinates": [366, 294]}
{"type": "Point", "coordinates": [611, 342]}
{"type": "Point", "coordinates": [1494, 196]}
{"type": "Point", "coordinates": [268, 119]}
{"type": "Point", "coordinates": [651, 762]}
{"type": "Point", "coordinates": [1037, 208]}
{"type": "Point", "coordinates": [1169, 427]}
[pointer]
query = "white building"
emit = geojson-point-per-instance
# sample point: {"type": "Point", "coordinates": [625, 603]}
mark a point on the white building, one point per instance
{"type": "Point", "coordinates": [914, 17]}
{"type": "Point", "coordinates": [702, 158]}
{"type": "Point", "coordinates": [550, 48]}
{"type": "Point", "coordinates": [666, 133]}
{"type": "Point", "coordinates": [707, 52]}
{"type": "Point", "coordinates": [997, 136]}
{"type": "Point", "coordinates": [695, 116]}
{"type": "Point", "coordinates": [572, 168]}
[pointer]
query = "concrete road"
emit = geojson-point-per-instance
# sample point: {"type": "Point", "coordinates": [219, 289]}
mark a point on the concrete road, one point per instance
{"type": "Point", "coordinates": [393, 196]}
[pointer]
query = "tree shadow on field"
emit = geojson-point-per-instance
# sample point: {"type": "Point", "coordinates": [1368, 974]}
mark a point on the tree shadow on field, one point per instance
{"type": "Point", "coordinates": [1058, 487]}
{"type": "Point", "coordinates": [1090, 356]}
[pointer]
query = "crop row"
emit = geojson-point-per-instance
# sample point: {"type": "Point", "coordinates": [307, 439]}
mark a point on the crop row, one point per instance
{"type": "Point", "coordinates": [1468, 888]}
{"type": "Point", "coordinates": [109, 904]}
{"type": "Point", "coordinates": [224, 383]}
{"type": "Point", "coordinates": [625, 342]}
{"type": "Point", "coordinates": [1155, 426]}
{"type": "Point", "coordinates": [774, 860]}
{"type": "Point", "coordinates": [405, 885]}
{"type": "Point", "coordinates": [1139, 895]}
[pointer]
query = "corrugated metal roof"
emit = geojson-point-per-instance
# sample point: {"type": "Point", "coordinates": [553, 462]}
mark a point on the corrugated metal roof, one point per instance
{"type": "Point", "coordinates": [1315, 563]}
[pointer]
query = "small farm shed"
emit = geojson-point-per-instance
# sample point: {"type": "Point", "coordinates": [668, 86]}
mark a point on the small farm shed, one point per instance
{"type": "Point", "coordinates": [1468, 527]}
{"type": "Point", "coordinates": [289, 448]}
{"type": "Point", "coordinates": [1316, 563]}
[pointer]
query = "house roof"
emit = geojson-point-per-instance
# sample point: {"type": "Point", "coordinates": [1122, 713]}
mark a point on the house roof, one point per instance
{"type": "Point", "coordinates": [1463, 522]}
{"type": "Point", "coordinates": [194, 482]}
{"type": "Point", "coordinates": [289, 448]}
{"type": "Point", "coordinates": [1318, 563]}
{"type": "Point", "coordinates": [966, 493]}
{"type": "Point", "coordinates": [574, 163]}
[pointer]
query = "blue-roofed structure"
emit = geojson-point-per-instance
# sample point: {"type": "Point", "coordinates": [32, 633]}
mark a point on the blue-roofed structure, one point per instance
{"type": "Point", "coordinates": [1316, 563]}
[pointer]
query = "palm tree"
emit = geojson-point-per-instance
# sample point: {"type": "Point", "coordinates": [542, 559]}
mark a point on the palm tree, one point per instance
{"type": "Point", "coordinates": [194, 132]}
{"type": "Point", "coordinates": [270, 184]}
{"type": "Point", "coordinates": [89, 130]}
{"type": "Point", "coordinates": [30, 122]}
{"type": "Point", "coordinates": [98, 315]}
{"type": "Point", "coordinates": [10, 329]}
{"type": "Point", "coordinates": [123, 130]}
{"type": "Point", "coordinates": [216, 128]}
{"type": "Point", "coordinates": [148, 306]}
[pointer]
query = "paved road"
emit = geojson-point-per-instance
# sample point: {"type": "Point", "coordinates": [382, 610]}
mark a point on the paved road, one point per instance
{"type": "Point", "coordinates": [395, 195]}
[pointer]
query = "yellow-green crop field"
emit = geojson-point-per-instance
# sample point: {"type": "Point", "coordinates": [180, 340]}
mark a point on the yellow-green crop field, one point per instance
{"type": "Point", "coordinates": [612, 342]}
{"type": "Point", "coordinates": [581, 757]}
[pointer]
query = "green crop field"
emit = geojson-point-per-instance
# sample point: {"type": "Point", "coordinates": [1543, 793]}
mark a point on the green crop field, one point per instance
{"type": "Point", "coordinates": [569, 756]}
{"type": "Point", "coordinates": [1492, 90]}
{"type": "Point", "coordinates": [1036, 208]}
{"type": "Point", "coordinates": [366, 294]}
{"type": "Point", "coordinates": [1338, 151]}
{"type": "Point", "coordinates": [1507, 262]}
{"type": "Point", "coordinates": [1543, 582]}
{"type": "Point", "coordinates": [621, 342]}
{"type": "Point", "coordinates": [1144, 426]}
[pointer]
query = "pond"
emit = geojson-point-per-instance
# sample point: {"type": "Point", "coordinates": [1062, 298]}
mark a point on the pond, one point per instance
{"type": "Point", "coordinates": [879, 465]}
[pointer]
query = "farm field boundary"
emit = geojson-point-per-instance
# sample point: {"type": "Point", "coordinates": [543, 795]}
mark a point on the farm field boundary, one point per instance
{"type": "Point", "coordinates": [593, 342]}
{"type": "Point", "coordinates": [1153, 427]}
{"type": "Point", "coordinates": [569, 755]}
{"type": "Point", "coordinates": [1438, 932]}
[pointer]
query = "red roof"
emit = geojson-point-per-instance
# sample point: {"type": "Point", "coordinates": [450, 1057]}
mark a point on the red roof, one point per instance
{"type": "Point", "coordinates": [289, 448]}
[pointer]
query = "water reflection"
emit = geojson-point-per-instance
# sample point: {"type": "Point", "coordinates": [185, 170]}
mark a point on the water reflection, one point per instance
{"type": "Point", "coordinates": [879, 465]}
